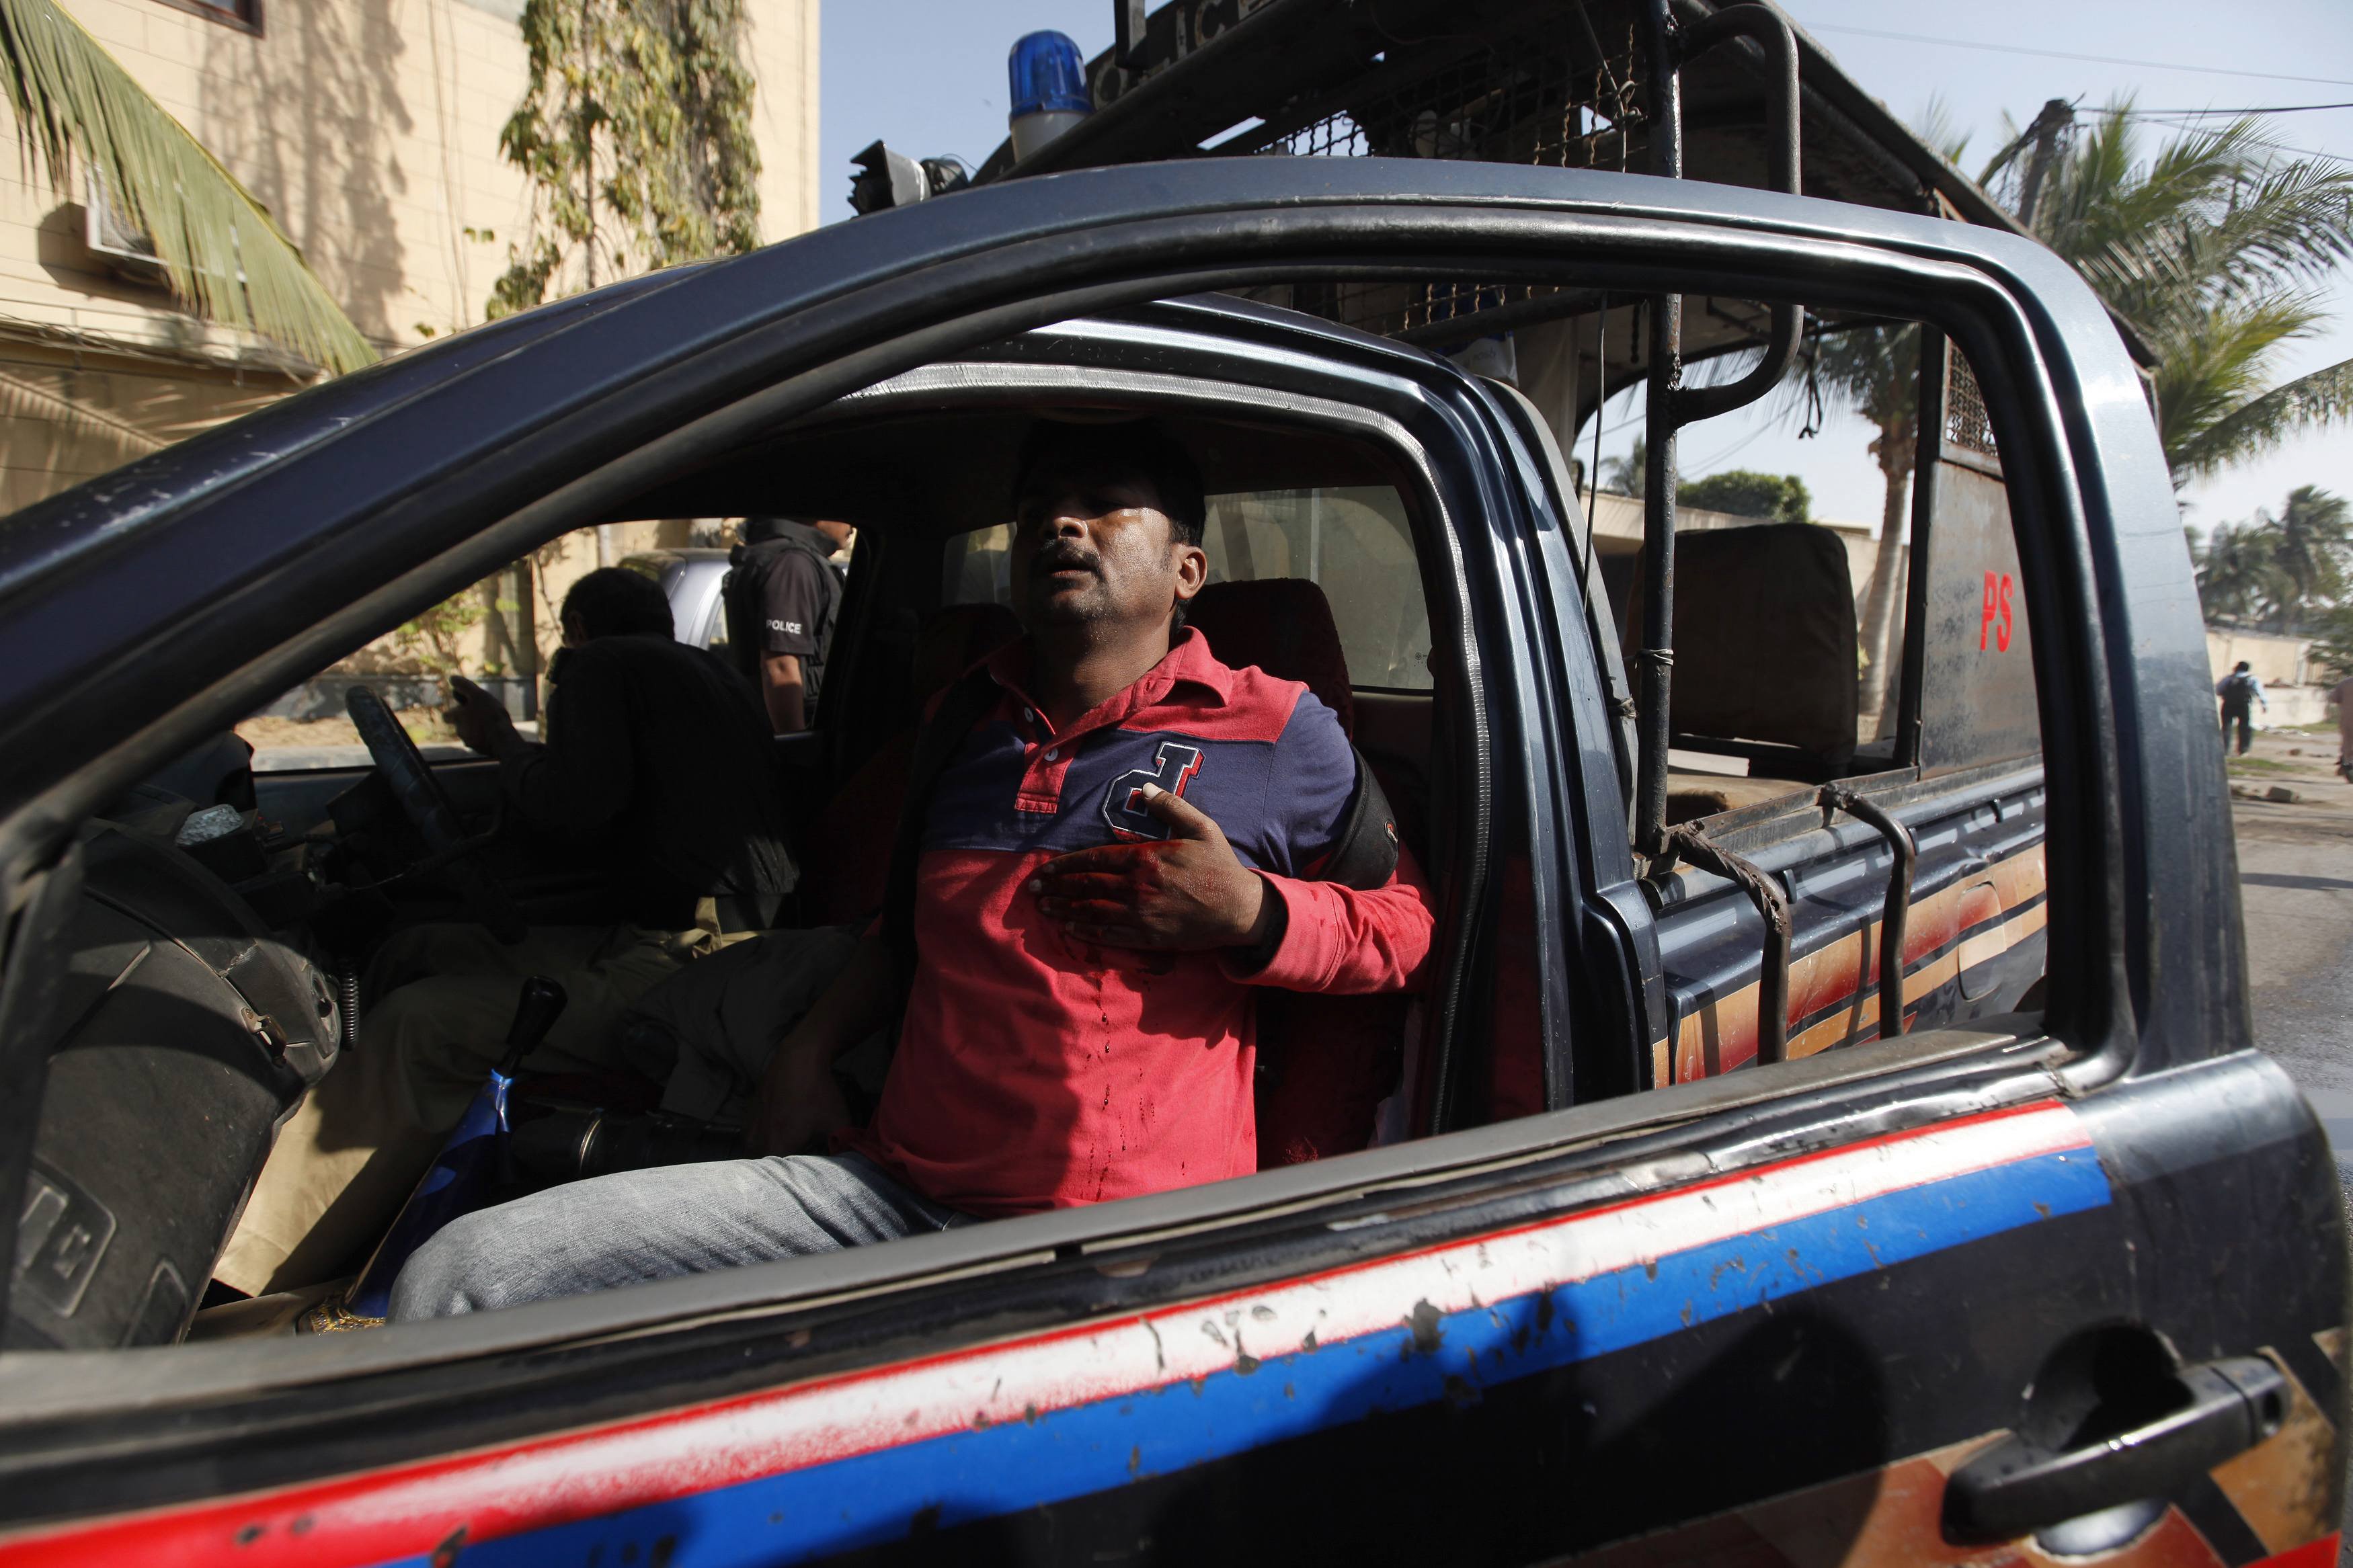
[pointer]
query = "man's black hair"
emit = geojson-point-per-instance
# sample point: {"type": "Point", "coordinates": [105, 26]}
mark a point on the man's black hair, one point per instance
{"type": "Point", "coordinates": [614, 601]}
{"type": "Point", "coordinates": [2242, 669]}
{"type": "Point", "coordinates": [1141, 446]}
{"type": "Point", "coordinates": [760, 529]}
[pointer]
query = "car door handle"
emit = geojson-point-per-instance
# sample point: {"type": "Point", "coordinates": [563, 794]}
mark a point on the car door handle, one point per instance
{"type": "Point", "coordinates": [2020, 1486]}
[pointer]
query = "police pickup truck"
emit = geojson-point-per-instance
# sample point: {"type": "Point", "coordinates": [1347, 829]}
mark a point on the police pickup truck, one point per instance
{"type": "Point", "coordinates": [1827, 1138]}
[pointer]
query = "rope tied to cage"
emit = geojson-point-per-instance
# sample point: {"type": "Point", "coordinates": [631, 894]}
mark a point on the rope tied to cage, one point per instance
{"type": "Point", "coordinates": [1905, 854]}
{"type": "Point", "coordinates": [1691, 843]}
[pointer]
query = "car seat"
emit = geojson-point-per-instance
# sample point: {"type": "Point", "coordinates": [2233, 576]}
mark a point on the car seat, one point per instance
{"type": "Point", "coordinates": [844, 860]}
{"type": "Point", "coordinates": [1324, 1063]}
{"type": "Point", "coordinates": [1765, 660]}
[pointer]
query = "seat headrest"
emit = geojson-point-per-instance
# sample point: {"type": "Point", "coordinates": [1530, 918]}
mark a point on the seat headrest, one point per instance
{"type": "Point", "coordinates": [955, 638]}
{"type": "Point", "coordinates": [1284, 626]}
{"type": "Point", "coordinates": [1764, 637]}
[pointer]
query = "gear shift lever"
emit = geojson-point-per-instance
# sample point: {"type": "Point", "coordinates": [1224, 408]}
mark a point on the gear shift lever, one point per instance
{"type": "Point", "coordinates": [536, 1011]}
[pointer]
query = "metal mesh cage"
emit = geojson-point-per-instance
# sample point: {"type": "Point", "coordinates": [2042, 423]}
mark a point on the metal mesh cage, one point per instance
{"type": "Point", "coordinates": [1523, 100]}
{"type": "Point", "coordinates": [1966, 424]}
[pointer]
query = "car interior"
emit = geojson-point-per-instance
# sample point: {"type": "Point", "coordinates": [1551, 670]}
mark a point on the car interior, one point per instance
{"type": "Point", "coordinates": [288, 879]}
{"type": "Point", "coordinates": [1320, 543]}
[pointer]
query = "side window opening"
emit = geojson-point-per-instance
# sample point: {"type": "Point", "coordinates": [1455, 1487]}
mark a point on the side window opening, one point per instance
{"type": "Point", "coordinates": [1323, 582]}
{"type": "Point", "coordinates": [1773, 683]}
{"type": "Point", "coordinates": [1788, 718]}
{"type": "Point", "coordinates": [501, 635]}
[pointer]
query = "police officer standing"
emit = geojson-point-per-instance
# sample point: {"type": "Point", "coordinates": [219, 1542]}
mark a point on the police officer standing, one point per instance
{"type": "Point", "coordinates": [784, 594]}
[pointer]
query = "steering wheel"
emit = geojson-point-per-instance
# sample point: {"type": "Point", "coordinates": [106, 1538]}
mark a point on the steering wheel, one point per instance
{"type": "Point", "coordinates": [427, 805]}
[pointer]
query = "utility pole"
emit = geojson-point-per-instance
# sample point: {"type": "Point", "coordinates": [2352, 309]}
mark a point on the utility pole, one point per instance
{"type": "Point", "coordinates": [2057, 116]}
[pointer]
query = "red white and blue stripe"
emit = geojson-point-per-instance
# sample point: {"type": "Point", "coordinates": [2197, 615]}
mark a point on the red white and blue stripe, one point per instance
{"type": "Point", "coordinates": [852, 1460]}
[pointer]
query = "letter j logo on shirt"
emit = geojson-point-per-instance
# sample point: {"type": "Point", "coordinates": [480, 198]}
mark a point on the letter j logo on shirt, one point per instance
{"type": "Point", "coordinates": [1123, 806]}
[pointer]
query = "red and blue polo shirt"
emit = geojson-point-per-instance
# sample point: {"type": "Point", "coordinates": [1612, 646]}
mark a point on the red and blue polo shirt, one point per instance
{"type": "Point", "coordinates": [1036, 1071]}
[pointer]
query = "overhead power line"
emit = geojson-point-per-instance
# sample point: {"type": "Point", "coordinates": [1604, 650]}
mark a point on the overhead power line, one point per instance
{"type": "Point", "coordinates": [2259, 109]}
{"type": "Point", "coordinates": [2063, 55]}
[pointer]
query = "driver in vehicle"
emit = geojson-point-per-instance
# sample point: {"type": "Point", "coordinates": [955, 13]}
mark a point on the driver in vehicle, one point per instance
{"type": "Point", "coordinates": [1116, 854]}
{"type": "Point", "coordinates": [658, 755]}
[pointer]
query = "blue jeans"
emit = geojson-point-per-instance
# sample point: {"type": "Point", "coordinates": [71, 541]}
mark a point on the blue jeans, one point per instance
{"type": "Point", "coordinates": [637, 1226]}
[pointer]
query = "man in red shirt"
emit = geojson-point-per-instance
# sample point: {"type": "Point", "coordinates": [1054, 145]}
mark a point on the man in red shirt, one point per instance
{"type": "Point", "coordinates": [1113, 857]}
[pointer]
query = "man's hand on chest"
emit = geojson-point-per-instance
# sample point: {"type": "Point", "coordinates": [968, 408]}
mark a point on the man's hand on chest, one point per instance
{"type": "Point", "coordinates": [1187, 893]}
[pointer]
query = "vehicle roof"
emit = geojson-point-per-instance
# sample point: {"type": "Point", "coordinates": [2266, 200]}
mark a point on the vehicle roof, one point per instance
{"type": "Point", "coordinates": [529, 368]}
{"type": "Point", "coordinates": [849, 462]}
{"type": "Point", "coordinates": [314, 521]}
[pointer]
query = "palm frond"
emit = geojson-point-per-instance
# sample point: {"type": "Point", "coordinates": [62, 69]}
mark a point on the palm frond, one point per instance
{"type": "Point", "coordinates": [2262, 422]}
{"type": "Point", "coordinates": [2217, 246]}
{"type": "Point", "coordinates": [1871, 371]}
{"type": "Point", "coordinates": [2238, 571]}
{"type": "Point", "coordinates": [221, 251]}
{"type": "Point", "coordinates": [2211, 361]}
{"type": "Point", "coordinates": [1938, 126]}
{"type": "Point", "coordinates": [2283, 228]}
{"type": "Point", "coordinates": [2294, 223]}
{"type": "Point", "coordinates": [2219, 208]}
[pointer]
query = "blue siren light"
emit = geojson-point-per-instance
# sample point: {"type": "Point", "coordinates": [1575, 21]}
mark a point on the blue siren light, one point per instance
{"type": "Point", "coordinates": [1048, 76]}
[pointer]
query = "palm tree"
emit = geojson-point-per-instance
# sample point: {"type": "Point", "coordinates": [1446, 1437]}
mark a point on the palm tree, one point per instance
{"type": "Point", "coordinates": [2238, 571]}
{"type": "Point", "coordinates": [2308, 540]}
{"type": "Point", "coordinates": [2332, 647]}
{"type": "Point", "coordinates": [2216, 248]}
{"type": "Point", "coordinates": [1876, 371]}
{"type": "Point", "coordinates": [1624, 475]}
{"type": "Point", "coordinates": [218, 245]}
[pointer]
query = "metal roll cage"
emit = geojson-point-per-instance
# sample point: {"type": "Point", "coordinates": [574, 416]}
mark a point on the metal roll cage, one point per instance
{"type": "Point", "coordinates": [1669, 406]}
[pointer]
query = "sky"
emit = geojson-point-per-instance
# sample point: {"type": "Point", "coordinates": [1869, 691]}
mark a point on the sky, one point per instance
{"type": "Point", "coordinates": [928, 77]}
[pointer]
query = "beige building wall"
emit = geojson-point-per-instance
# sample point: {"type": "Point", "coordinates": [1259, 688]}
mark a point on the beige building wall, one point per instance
{"type": "Point", "coordinates": [2275, 657]}
{"type": "Point", "coordinates": [783, 58]}
{"type": "Point", "coordinates": [369, 129]}
{"type": "Point", "coordinates": [2295, 685]}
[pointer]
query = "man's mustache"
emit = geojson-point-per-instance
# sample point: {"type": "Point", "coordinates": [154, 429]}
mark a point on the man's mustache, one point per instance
{"type": "Point", "coordinates": [1064, 555]}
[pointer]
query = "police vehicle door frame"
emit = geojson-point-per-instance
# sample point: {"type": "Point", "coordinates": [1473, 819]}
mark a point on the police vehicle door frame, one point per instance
{"type": "Point", "coordinates": [1042, 277]}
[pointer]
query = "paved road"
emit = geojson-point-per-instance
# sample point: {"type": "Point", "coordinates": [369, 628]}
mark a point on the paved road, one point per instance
{"type": "Point", "coordinates": [2296, 872]}
{"type": "Point", "coordinates": [2296, 877]}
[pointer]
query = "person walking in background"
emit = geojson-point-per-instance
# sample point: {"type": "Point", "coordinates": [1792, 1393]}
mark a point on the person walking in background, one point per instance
{"type": "Point", "coordinates": [2240, 692]}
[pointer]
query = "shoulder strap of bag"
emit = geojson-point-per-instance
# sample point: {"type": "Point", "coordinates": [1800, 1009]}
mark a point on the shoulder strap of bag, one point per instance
{"type": "Point", "coordinates": [1365, 854]}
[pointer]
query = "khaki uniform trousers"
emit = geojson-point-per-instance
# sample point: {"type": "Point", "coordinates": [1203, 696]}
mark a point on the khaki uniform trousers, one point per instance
{"type": "Point", "coordinates": [354, 1150]}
